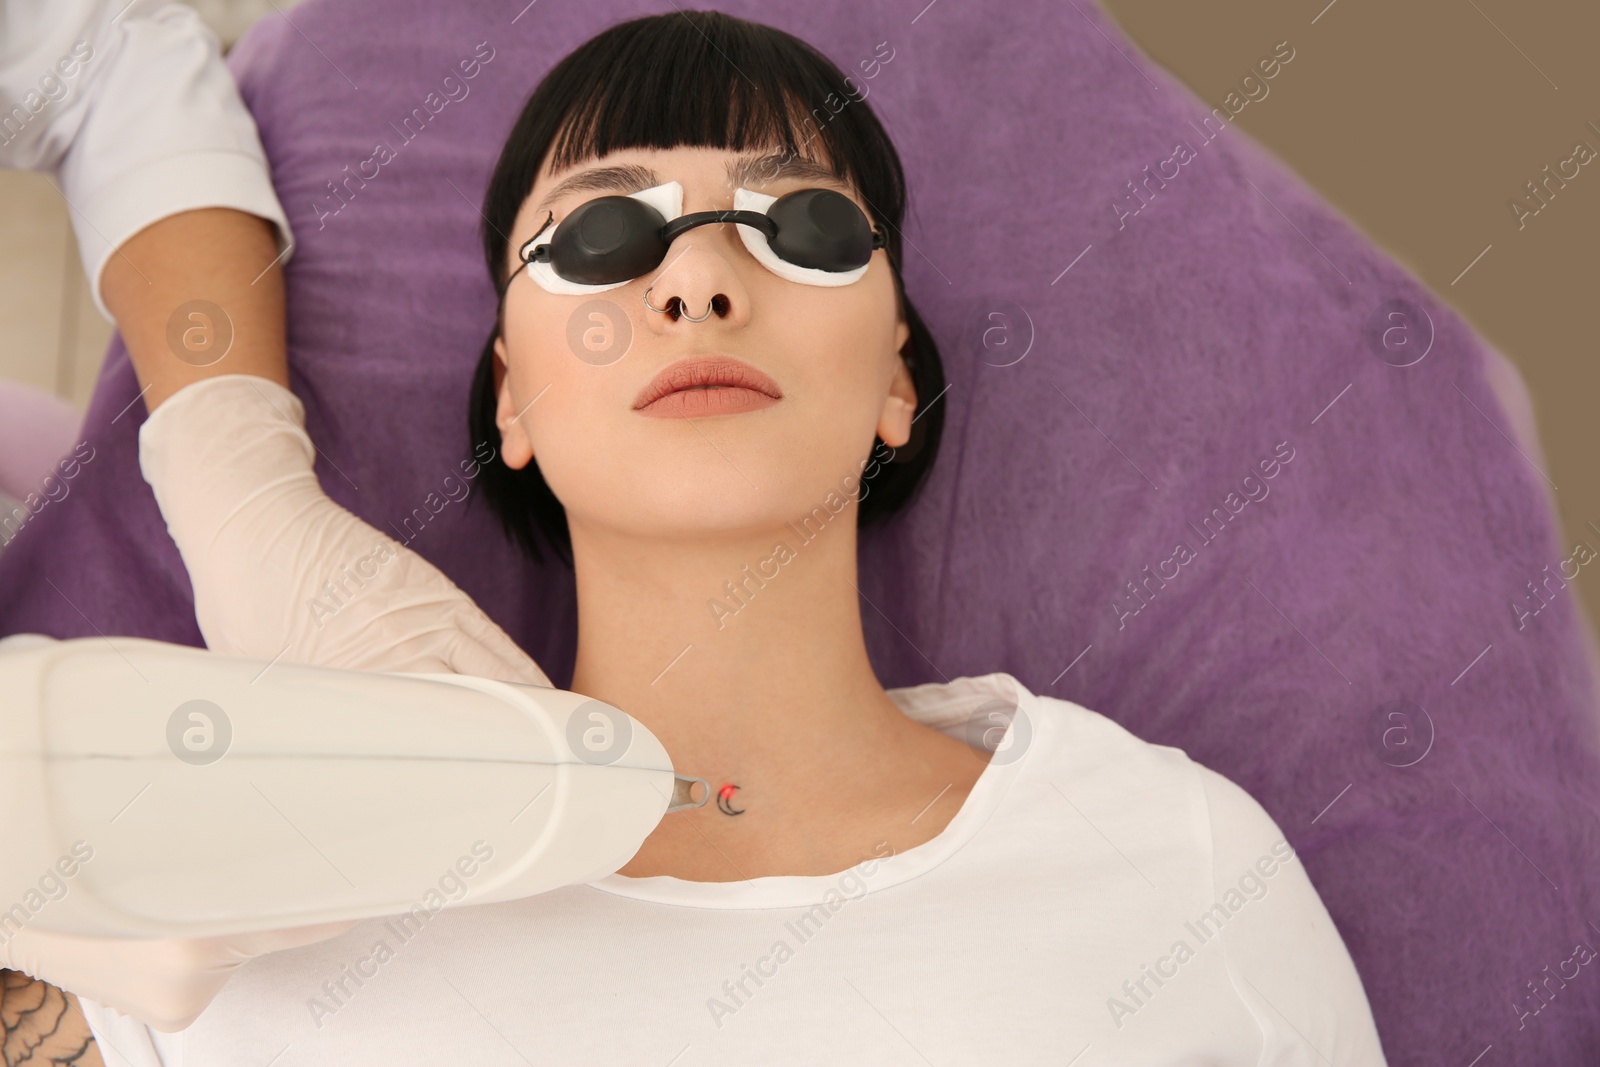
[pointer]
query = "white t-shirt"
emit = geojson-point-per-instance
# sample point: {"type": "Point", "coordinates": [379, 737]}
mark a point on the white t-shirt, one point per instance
{"type": "Point", "coordinates": [1098, 900]}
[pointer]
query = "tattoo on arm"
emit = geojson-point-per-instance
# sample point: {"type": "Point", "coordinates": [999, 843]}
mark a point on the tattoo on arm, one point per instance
{"type": "Point", "coordinates": [42, 1026]}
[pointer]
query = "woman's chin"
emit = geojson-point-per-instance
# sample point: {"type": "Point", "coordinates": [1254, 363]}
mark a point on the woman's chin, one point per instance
{"type": "Point", "coordinates": [698, 518]}
{"type": "Point", "coordinates": [706, 481]}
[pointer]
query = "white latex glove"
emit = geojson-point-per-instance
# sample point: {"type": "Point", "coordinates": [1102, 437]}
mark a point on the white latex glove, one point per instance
{"type": "Point", "coordinates": [165, 984]}
{"type": "Point", "coordinates": [231, 466]}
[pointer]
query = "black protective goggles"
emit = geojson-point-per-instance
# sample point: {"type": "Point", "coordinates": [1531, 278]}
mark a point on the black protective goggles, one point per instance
{"type": "Point", "coordinates": [812, 236]}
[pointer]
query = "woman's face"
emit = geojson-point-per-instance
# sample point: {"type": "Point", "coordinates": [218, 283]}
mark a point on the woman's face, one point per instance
{"type": "Point", "coordinates": [575, 365]}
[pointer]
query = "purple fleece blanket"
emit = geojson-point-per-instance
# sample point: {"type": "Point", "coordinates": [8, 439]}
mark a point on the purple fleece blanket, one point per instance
{"type": "Point", "coordinates": [1215, 466]}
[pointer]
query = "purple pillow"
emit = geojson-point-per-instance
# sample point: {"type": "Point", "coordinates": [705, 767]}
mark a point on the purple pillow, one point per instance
{"type": "Point", "coordinates": [1214, 465]}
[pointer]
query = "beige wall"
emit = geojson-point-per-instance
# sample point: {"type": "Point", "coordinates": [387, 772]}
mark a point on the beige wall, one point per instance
{"type": "Point", "coordinates": [51, 336]}
{"type": "Point", "coordinates": [1421, 121]}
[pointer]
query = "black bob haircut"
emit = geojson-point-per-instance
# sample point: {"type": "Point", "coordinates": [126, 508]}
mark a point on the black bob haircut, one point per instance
{"type": "Point", "coordinates": [699, 79]}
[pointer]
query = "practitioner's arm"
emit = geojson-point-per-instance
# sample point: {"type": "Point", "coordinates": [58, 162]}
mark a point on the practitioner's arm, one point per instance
{"type": "Point", "coordinates": [130, 109]}
{"type": "Point", "coordinates": [183, 239]}
{"type": "Point", "coordinates": [164, 176]}
{"type": "Point", "coordinates": [199, 294]}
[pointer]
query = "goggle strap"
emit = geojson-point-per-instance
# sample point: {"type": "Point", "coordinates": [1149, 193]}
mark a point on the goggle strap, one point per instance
{"type": "Point", "coordinates": [757, 219]}
{"type": "Point", "coordinates": [540, 253]}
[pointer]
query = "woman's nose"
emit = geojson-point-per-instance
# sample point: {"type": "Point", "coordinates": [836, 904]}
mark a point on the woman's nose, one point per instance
{"type": "Point", "coordinates": [699, 279]}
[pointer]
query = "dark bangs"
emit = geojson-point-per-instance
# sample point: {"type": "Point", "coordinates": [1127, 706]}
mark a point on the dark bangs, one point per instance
{"type": "Point", "coordinates": [707, 80]}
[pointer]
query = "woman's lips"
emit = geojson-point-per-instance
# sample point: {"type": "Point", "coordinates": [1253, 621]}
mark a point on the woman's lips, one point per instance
{"type": "Point", "coordinates": [705, 401]}
{"type": "Point", "coordinates": [707, 386]}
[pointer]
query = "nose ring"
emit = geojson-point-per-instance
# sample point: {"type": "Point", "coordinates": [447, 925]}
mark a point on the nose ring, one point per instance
{"type": "Point", "coordinates": [684, 312]}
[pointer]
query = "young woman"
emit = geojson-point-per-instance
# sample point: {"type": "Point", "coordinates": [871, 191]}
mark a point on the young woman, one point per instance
{"type": "Point", "coordinates": [699, 412]}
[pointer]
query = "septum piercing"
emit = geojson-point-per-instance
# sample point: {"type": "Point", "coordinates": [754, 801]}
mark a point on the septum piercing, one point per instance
{"type": "Point", "coordinates": [681, 308]}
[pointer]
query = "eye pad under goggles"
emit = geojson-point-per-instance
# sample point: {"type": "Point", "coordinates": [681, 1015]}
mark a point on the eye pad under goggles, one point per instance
{"type": "Point", "coordinates": [812, 236]}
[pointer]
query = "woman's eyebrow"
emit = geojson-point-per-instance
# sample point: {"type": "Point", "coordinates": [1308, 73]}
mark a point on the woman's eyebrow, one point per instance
{"type": "Point", "coordinates": [746, 171]}
{"type": "Point", "coordinates": [752, 170]}
{"type": "Point", "coordinates": [629, 178]}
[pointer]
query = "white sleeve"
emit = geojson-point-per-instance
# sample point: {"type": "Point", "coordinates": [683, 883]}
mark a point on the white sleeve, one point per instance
{"type": "Point", "coordinates": [1287, 962]}
{"type": "Point", "coordinates": [131, 107]}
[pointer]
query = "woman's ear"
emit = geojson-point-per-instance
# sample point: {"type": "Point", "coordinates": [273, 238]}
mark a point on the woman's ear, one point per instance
{"type": "Point", "coordinates": [516, 450]}
{"type": "Point", "coordinates": [894, 422]}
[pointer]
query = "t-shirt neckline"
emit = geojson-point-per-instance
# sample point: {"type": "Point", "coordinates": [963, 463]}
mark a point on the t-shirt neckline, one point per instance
{"type": "Point", "coordinates": [946, 706]}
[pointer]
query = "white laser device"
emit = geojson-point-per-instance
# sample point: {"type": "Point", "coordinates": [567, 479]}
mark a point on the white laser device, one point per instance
{"type": "Point", "coordinates": [150, 789]}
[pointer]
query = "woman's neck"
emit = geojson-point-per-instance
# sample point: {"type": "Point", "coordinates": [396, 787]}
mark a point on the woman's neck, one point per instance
{"type": "Point", "coordinates": [767, 688]}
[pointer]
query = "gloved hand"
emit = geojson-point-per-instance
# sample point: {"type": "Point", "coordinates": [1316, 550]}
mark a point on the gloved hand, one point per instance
{"type": "Point", "coordinates": [165, 984]}
{"type": "Point", "coordinates": [231, 466]}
